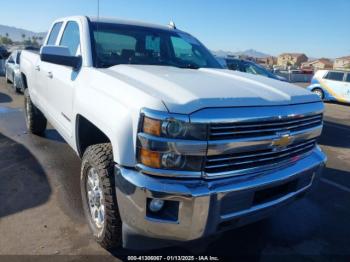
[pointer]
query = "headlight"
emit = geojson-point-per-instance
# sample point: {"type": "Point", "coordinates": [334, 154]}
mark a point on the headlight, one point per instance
{"type": "Point", "coordinates": [170, 161]}
{"type": "Point", "coordinates": [174, 128]}
{"type": "Point", "coordinates": [171, 142]}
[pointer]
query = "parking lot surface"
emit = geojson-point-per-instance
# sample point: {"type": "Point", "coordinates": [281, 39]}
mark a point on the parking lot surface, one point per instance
{"type": "Point", "coordinates": [41, 213]}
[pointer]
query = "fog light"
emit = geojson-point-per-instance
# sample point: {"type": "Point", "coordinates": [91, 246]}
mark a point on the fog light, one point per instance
{"type": "Point", "coordinates": [156, 205]}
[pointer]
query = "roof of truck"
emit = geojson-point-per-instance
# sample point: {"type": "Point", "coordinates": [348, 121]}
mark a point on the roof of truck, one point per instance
{"type": "Point", "coordinates": [128, 22]}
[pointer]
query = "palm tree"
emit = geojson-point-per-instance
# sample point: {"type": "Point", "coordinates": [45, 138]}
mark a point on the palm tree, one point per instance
{"type": "Point", "coordinates": [23, 37]}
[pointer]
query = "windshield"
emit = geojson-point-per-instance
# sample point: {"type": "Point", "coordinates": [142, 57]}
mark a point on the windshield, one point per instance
{"type": "Point", "coordinates": [125, 44]}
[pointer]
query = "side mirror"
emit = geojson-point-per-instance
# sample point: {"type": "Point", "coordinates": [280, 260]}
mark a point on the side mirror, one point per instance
{"type": "Point", "coordinates": [60, 55]}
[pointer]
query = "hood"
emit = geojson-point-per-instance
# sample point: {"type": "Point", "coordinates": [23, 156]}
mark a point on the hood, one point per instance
{"type": "Point", "coordinates": [184, 91]}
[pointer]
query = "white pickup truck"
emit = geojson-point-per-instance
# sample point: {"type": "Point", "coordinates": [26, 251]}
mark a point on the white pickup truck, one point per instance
{"type": "Point", "coordinates": [174, 148]}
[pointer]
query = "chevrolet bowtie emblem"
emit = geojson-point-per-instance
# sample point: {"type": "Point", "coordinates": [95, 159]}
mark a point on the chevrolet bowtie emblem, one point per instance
{"type": "Point", "coordinates": [283, 141]}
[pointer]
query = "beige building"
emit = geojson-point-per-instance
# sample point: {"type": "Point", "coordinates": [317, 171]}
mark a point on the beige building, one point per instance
{"type": "Point", "coordinates": [342, 63]}
{"type": "Point", "coordinates": [319, 64]}
{"type": "Point", "coordinates": [267, 61]}
{"type": "Point", "coordinates": [291, 59]}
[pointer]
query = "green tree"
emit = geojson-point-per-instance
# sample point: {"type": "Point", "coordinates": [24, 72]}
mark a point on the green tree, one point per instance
{"type": "Point", "coordinates": [35, 41]}
{"type": "Point", "coordinates": [5, 40]}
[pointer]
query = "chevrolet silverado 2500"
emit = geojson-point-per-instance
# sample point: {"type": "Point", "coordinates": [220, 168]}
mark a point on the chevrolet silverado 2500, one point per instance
{"type": "Point", "coordinates": [174, 148]}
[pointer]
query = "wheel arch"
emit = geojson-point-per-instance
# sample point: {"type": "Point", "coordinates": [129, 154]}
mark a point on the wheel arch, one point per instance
{"type": "Point", "coordinates": [24, 81]}
{"type": "Point", "coordinates": [87, 134]}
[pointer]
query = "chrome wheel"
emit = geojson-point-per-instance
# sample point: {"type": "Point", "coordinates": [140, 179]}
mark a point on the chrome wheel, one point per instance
{"type": "Point", "coordinates": [95, 198]}
{"type": "Point", "coordinates": [319, 92]}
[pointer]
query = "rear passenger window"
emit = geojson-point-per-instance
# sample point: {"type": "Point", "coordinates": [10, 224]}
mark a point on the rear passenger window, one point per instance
{"type": "Point", "coordinates": [112, 43]}
{"type": "Point", "coordinates": [336, 76]}
{"type": "Point", "coordinates": [54, 34]}
{"type": "Point", "coordinates": [71, 38]}
{"type": "Point", "coordinates": [347, 79]}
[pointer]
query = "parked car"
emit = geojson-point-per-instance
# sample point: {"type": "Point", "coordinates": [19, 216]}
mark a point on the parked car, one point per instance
{"type": "Point", "coordinates": [3, 52]}
{"type": "Point", "coordinates": [12, 71]}
{"type": "Point", "coordinates": [331, 85]}
{"type": "Point", "coordinates": [174, 148]}
{"type": "Point", "coordinates": [32, 48]}
{"type": "Point", "coordinates": [250, 67]}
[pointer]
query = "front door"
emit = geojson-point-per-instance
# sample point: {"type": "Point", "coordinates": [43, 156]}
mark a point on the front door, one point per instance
{"type": "Point", "coordinates": [62, 80]}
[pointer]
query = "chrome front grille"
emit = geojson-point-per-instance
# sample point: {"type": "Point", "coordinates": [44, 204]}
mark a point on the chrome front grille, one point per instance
{"type": "Point", "coordinates": [253, 140]}
{"type": "Point", "coordinates": [252, 129]}
{"type": "Point", "coordinates": [246, 162]}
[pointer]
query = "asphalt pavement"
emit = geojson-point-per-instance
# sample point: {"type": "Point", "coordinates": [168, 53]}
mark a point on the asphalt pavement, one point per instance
{"type": "Point", "coordinates": [41, 213]}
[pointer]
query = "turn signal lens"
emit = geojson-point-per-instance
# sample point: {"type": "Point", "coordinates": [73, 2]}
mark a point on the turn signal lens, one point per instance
{"type": "Point", "coordinates": [151, 126]}
{"type": "Point", "coordinates": [150, 158]}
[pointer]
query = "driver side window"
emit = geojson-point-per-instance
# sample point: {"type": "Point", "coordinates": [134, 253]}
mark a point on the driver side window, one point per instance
{"type": "Point", "coordinates": [71, 38]}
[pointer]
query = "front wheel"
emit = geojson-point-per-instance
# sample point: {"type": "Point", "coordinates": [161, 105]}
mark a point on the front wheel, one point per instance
{"type": "Point", "coordinates": [318, 92]}
{"type": "Point", "coordinates": [99, 196]}
{"type": "Point", "coordinates": [35, 119]}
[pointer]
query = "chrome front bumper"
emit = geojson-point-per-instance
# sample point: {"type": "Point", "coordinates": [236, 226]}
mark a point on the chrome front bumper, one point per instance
{"type": "Point", "coordinates": [206, 207]}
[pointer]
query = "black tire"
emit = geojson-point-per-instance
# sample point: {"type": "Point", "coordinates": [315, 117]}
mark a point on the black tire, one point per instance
{"type": "Point", "coordinates": [7, 80]}
{"type": "Point", "coordinates": [35, 119]}
{"type": "Point", "coordinates": [15, 88]}
{"type": "Point", "coordinates": [319, 92]}
{"type": "Point", "coordinates": [100, 158]}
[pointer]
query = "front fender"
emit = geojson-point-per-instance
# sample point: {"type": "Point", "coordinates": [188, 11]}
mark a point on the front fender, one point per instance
{"type": "Point", "coordinates": [114, 108]}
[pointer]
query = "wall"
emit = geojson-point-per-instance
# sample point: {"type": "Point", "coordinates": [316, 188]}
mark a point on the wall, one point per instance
{"type": "Point", "coordinates": [295, 77]}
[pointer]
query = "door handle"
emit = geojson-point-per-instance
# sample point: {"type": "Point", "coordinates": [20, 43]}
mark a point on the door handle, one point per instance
{"type": "Point", "coordinates": [37, 68]}
{"type": "Point", "coordinates": [50, 75]}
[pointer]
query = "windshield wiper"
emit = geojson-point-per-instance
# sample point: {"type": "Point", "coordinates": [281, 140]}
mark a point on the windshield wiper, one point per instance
{"type": "Point", "coordinates": [190, 66]}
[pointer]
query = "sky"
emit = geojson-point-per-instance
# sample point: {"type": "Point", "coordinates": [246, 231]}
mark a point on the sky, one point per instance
{"type": "Point", "coordinates": [318, 28]}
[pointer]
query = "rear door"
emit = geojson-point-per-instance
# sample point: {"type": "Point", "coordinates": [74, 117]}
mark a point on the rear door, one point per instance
{"type": "Point", "coordinates": [334, 83]}
{"type": "Point", "coordinates": [42, 70]}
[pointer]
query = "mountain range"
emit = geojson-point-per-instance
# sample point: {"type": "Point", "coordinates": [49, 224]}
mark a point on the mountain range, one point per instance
{"type": "Point", "coordinates": [16, 33]}
{"type": "Point", "coordinates": [248, 52]}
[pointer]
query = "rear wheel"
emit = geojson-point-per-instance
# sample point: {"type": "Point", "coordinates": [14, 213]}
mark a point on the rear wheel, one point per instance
{"type": "Point", "coordinates": [99, 196]}
{"type": "Point", "coordinates": [35, 119]}
{"type": "Point", "coordinates": [319, 92]}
